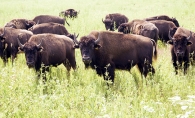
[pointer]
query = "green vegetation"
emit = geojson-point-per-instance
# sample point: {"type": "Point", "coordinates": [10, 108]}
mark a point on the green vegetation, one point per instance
{"type": "Point", "coordinates": [84, 94]}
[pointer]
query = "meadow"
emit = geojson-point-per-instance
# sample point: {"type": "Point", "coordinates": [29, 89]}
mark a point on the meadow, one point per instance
{"type": "Point", "coordinates": [84, 94]}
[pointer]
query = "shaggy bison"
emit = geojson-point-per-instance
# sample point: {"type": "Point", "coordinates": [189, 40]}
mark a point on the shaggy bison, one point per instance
{"type": "Point", "coordinates": [163, 17]}
{"type": "Point", "coordinates": [106, 51]}
{"type": "Point", "coordinates": [164, 27]}
{"type": "Point", "coordinates": [112, 21]}
{"type": "Point", "coordinates": [9, 44]}
{"type": "Point", "coordinates": [51, 27]}
{"type": "Point", "coordinates": [20, 24]}
{"type": "Point", "coordinates": [140, 27]}
{"type": "Point", "coordinates": [182, 48]}
{"type": "Point", "coordinates": [49, 18]}
{"type": "Point", "coordinates": [49, 50]}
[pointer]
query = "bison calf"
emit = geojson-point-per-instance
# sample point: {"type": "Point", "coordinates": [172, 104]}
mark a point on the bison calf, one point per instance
{"type": "Point", "coordinates": [106, 51]}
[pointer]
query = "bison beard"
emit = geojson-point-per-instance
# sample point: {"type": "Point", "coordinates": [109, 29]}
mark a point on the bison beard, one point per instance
{"type": "Point", "coordinates": [114, 50]}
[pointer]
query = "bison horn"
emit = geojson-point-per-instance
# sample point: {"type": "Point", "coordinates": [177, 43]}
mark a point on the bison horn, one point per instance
{"type": "Point", "coordinates": [39, 45]}
{"type": "Point", "coordinates": [98, 39]}
{"type": "Point", "coordinates": [3, 32]}
{"type": "Point", "coordinates": [170, 36]}
{"type": "Point", "coordinates": [21, 46]}
{"type": "Point", "coordinates": [188, 38]}
{"type": "Point", "coordinates": [102, 20]}
{"type": "Point", "coordinates": [75, 40]}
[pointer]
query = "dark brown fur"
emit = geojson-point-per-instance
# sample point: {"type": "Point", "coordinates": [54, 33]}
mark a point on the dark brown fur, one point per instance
{"type": "Point", "coordinates": [9, 44]}
{"type": "Point", "coordinates": [164, 27]}
{"type": "Point", "coordinates": [20, 23]}
{"type": "Point", "coordinates": [140, 27]}
{"type": "Point", "coordinates": [163, 17]}
{"type": "Point", "coordinates": [51, 27]}
{"type": "Point", "coordinates": [117, 51]}
{"type": "Point", "coordinates": [54, 50]}
{"type": "Point", "coordinates": [182, 49]}
{"type": "Point", "coordinates": [49, 18]}
{"type": "Point", "coordinates": [69, 13]}
{"type": "Point", "coordinates": [113, 21]}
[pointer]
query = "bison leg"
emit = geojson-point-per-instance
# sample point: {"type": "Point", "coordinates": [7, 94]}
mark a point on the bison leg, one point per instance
{"type": "Point", "coordinates": [145, 68]}
{"type": "Point", "coordinates": [186, 65]}
{"type": "Point", "coordinates": [108, 73]}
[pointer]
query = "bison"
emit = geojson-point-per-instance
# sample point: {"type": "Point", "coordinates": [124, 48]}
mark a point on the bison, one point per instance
{"type": "Point", "coordinates": [20, 24]}
{"type": "Point", "coordinates": [69, 13]}
{"type": "Point", "coordinates": [140, 27]}
{"type": "Point", "coordinates": [9, 45]}
{"type": "Point", "coordinates": [49, 50]}
{"type": "Point", "coordinates": [49, 18]}
{"type": "Point", "coordinates": [182, 48]}
{"type": "Point", "coordinates": [106, 51]}
{"type": "Point", "coordinates": [164, 27]}
{"type": "Point", "coordinates": [51, 27]}
{"type": "Point", "coordinates": [163, 17]}
{"type": "Point", "coordinates": [112, 21]}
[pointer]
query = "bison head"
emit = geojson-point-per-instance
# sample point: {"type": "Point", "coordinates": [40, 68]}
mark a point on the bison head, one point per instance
{"type": "Point", "coordinates": [109, 24]}
{"type": "Point", "coordinates": [31, 52]}
{"type": "Point", "coordinates": [87, 46]}
{"type": "Point", "coordinates": [2, 42]}
{"type": "Point", "coordinates": [180, 44]}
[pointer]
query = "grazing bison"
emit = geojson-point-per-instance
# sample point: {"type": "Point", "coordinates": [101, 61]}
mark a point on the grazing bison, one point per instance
{"type": "Point", "coordinates": [106, 51]}
{"type": "Point", "coordinates": [69, 13]}
{"type": "Point", "coordinates": [164, 27]}
{"type": "Point", "coordinates": [49, 50]}
{"type": "Point", "coordinates": [182, 48]}
{"type": "Point", "coordinates": [113, 21]}
{"type": "Point", "coordinates": [51, 27]}
{"type": "Point", "coordinates": [140, 27]}
{"type": "Point", "coordinates": [163, 17]}
{"type": "Point", "coordinates": [20, 24]}
{"type": "Point", "coordinates": [48, 18]}
{"type": "Point", "coordinates": [9, 45]}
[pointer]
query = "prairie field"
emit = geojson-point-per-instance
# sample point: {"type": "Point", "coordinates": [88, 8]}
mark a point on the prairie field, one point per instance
{"type": "Point", "coordinates": [84, 94]}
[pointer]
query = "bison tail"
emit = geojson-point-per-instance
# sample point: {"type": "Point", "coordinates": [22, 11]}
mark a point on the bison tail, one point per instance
{"type": "Point", "coordinates": [154, 49]}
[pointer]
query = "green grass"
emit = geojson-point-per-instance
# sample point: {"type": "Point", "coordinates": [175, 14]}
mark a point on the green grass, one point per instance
{"type": "Point", "coordinates": [84, 94]}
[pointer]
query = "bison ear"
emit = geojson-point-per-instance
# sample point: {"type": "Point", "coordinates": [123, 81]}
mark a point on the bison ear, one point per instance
{"type": "Point", "coordinates": [170, 42]}
{"type": "Point", "coordinates": [189, 43]}
{"type": "Point", "coordinates": [97, 46]}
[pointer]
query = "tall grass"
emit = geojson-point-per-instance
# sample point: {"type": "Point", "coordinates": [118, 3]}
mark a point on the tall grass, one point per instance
{"type": "Point", "coordinates": [84, 93]}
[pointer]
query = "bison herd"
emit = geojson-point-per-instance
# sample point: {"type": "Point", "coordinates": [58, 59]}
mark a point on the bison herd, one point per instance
{"type": "Point", "coordinates": [45, 40]}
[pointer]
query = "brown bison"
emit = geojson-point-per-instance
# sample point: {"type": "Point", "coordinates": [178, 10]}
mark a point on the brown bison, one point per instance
{"type": "Point", "coordinates": [20, 24]}
{"type": "Point", "coordinates": [69, 13]}
{"type": "Point", "coordinates": [49, 50]}
{"type": "Point", "coordinates": [163, 17]}
{"type": "Point", "coordinates": [182, 48]}
{"type": "Point", "coordinates": [9, 44]}
{"type": "Point", "coordinates": [164, 27]}
{"type": "Point", "coordinates": [106, 51]}
{"type": "Point", "coordinates": [128, 27]}
{"type": "Point", "coordinates": [49, 18]}
{"type": "Point", "coordinates": [140, 27]}
{"type": "Point", "coordinates": [113, 21]}
{"type": "Point", "coordinates": [51, 27]}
